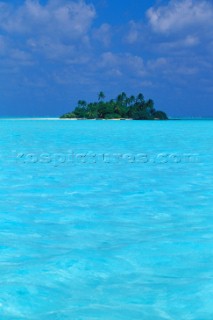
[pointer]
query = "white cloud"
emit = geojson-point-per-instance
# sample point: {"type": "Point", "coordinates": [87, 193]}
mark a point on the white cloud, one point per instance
{"type": "Point", "coordinates": [180, 14]}
{"type": "Point", "coordinates": [173, 67]}
{"type": "Point", "coordinates": [2, 45]}
{"type": "Point", "coordinates": [62, 31]}
{"type": "Point", "coordinates": [179, 45]}
{"type": "Point", "coordinates": [134, 32]}
{"type": "Point", "coordinates": [124, 63]}
{"type": "Point", "coordinates": [12, 56]}
{"type": "Point", "coordinates": [59, 29]}
{"type": "Point", "coordinates": [158, 63]}
{"type": "Point", "coordinates": [59, 18]}
{"type": "Point", "coordinates": [103, 34]}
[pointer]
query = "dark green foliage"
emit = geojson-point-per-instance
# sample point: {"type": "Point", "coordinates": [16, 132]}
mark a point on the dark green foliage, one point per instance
{"type": "Point", "coordinates": [141, 115]}
{"type": "Point", "coordinates": [101, 96]}
{"type": "Point", "coordinates": [113, 116]}
{"type": "Point", "coordinates": [160, 115]}
{"type": "Point", "coordinates": [69, 115]}
{"type": "Point", "coordinates": [136, 108]}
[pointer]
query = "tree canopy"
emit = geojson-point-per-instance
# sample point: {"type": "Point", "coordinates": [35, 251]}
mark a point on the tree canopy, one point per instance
{"type": "Point", "coordinates": [123, 107]}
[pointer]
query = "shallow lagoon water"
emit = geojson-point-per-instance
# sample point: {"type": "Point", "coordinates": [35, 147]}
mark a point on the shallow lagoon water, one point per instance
{"type": "Point", "coordinates": [107, 238]}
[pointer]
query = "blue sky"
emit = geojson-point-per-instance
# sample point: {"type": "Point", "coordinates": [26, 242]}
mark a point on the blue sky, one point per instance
{"type": "Point", "coordinates": [55, 52]}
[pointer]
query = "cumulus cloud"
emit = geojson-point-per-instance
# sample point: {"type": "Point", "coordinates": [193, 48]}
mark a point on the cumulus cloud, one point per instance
{"type": "Point", "coordinates": [12, 56]}
{"type": "Point", "coordinates": [103, 34]}
{"type": "Point", "coordinates": [69, 18]}
{"type": "Point", "coordinates": [178, 30]}
{"type": "Point", "coordinates": [134, 32]}
{"type": "Point", "coordinates": [62, 31]}
{"type": "Point", "coordinates": [171, 67]}
{"type": "Point", "coordinates": [180, 14]}
{"type": "Point", "coordinates": [2, 45]}
{"type": "Point", "coordinates": [183, 44]}
{"type": "Point", "coordinates": [123, 63]}
{"type": "Point", "coordinates": [58, 29]}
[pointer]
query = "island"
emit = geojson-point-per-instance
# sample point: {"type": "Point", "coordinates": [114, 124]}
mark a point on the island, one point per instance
{"type": "Point", "coordinates": [121, 108]}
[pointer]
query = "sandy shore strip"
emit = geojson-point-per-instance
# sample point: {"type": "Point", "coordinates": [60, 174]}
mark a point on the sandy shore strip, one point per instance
{"type": "Point", "coordinates": [27, 119]}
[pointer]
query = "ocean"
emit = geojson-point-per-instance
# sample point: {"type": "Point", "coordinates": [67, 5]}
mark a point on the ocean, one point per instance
{"type": "Point", "coordinates": [106, 220]}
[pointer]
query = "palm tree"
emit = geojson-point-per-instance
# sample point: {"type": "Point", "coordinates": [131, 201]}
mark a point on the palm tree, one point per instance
{"type": "Point", "coordinates": [82, 103]}
{"type": "Point", "coordinates": [79, 103]}
{"type": "Point", "coordinates": [119, 98]}
{"type": "Point", "coordinates": [124, 99]}
{"type": "Point", "coordinates": [128, 101]}
{"type": "Point", "coordinates": [132, 99]}
{"type": "Point", "coordinates": [150, 104]}
{"type": "Point", "coordinates": [101, 96]}
{"type": "Point", "coordinates": [140, 97]}
{"type": "Point", "coordinates": [124, 96]}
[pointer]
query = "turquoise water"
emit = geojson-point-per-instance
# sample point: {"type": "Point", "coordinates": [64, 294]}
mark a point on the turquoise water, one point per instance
{"type": "Point", "coordinates": [104, 236]}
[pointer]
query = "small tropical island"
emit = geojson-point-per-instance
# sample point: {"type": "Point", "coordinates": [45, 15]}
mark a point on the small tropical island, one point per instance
{"type": "Point", "coordinates": [121, 108]}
